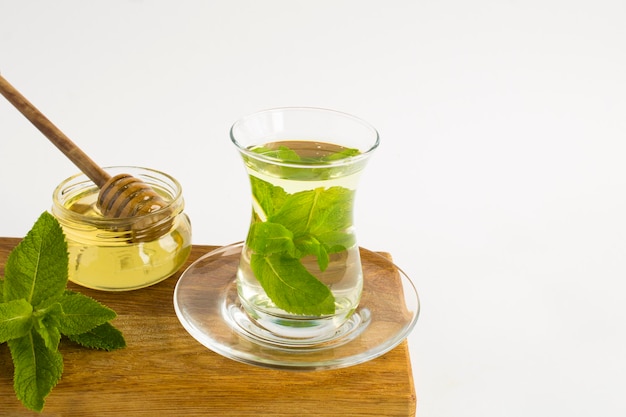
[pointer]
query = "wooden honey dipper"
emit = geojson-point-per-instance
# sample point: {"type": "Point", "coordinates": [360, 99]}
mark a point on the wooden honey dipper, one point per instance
{"type": "Point", "coordinates": [120, 196]}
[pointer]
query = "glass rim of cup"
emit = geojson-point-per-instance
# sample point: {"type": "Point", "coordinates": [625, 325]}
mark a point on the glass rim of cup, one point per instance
{"type": "Point", "coordinates": [364, 154]}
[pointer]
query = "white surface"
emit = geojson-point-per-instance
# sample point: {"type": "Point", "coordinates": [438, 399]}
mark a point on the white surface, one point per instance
{"type": "Point", "coordinates": [499, 185]}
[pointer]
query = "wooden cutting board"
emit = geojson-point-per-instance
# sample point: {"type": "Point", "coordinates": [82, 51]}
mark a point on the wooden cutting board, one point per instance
{"type": "Point", "coordinates": [165, 372]}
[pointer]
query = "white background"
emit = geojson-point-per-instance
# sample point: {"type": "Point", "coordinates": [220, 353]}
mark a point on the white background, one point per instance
{"type": "Point", "coordinates": [499, 185]}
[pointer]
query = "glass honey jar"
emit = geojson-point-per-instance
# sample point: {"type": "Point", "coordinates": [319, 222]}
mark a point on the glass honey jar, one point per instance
{"type": "Point", "coordinates": [115, 254]}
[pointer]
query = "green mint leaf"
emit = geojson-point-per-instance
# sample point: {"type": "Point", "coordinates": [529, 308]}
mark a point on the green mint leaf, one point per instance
{"type": "Point", "coordinates": [36, 269]}
{"type": "Point", "coordinates": [267, 197]}
{"type": "Point", "coordinates": [266, 238]}
{"type": "Point", "coordinates": [82, 313]}
{"type": "Point", "coordinates": [46, 323]}
{"type": "Point", "coordinates": [104, 337]}
{"type": "Point", "coordinates": [283, 153]}
{"type": "Point", "coordinates": [317, 211]}
{"type": "Point", "coordinates": [319, 220]}
{"type": "Point", "coordinates": [291, 287]}
{"type": "Point", "coordinates": [337, 241]}
{"type": "Point", "coordinates": [345, 153]}
{"type": "Point", "coordinates": [37, 369]}
{"type": "Point", "coordinates": [309, 245]}
{"type": "Point", "coordinates": [15, 319]}
{"type": "Point", "coordinates": [33, 312]}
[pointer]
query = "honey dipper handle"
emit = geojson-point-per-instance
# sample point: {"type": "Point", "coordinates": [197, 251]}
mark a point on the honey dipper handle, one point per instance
{"type": "Point", "coordinates": [45, 126]}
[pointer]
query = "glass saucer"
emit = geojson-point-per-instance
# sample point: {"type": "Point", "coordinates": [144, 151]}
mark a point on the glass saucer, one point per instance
{"type": "Point", "coordinates": [208, 307]}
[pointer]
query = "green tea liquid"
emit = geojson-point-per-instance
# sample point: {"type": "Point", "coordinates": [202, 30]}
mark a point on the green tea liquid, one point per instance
{"type": "Point", "coordinates": [343, 274]}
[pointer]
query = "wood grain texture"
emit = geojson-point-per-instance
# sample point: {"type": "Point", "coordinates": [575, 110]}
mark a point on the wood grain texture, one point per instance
{"type": "Point", "coordinates": [165, 372]}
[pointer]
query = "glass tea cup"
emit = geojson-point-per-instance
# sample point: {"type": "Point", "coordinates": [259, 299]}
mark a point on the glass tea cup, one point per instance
{"type": "Point", "coordinates": [300, 276]}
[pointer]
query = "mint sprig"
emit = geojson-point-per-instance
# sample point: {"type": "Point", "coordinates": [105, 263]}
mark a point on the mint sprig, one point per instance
{"type": "Point", "coordinates": [287, 227]}
{"type": "Point", "coordinates": [37, 310]}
